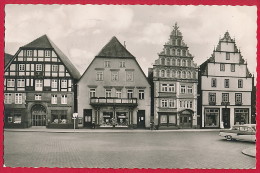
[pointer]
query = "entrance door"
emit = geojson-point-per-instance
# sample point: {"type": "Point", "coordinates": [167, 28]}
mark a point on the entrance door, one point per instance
{"type": "Point", "coordinates": [186, 119]}
{"type": "Point", "coordinates": [38, 115]}
{"type": "Point", "coordinates": [88, 118]}
{"type": "Point", "coordinates": [141, 119]}
{"type": "Point", "coordinates": [226, 117]}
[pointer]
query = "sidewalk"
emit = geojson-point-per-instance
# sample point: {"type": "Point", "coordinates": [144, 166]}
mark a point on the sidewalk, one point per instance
{"type": "Point", "coordinates": [250, 152]}
{"type": "Point", "coordinates": [33, 129]}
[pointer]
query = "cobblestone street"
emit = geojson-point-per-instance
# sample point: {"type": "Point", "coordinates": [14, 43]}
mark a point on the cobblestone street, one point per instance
{"type": "Point", "coordinates": [148, 149]}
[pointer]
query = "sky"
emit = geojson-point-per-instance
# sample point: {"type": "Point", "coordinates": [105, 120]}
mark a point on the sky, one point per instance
{"type": "Point", "coordinates": [81, 31]}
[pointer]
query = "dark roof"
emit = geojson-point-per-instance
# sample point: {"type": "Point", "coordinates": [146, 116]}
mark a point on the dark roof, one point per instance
{"type": "Point", "coordinates": [114, 49]}
{"type": "Point", "coordinates": [44, 42]}
{"type": "Point", "coordinates": [8, 57]}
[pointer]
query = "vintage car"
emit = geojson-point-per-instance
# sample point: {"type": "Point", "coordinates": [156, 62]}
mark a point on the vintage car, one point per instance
{"type": "Point", "coordinates": [245, 132]}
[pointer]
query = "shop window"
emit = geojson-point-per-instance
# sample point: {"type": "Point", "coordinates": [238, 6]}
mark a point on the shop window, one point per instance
{"type": "Point", "coordinates": [222, 67]}
{"type": "Point", "coordinates": [17, 118]}
{"type": "Point", "coordinates": [163, 119]}
{"type": "Point", "coordinates": [59, 117]}
{"type": "Point", "coordinates": [226, 83]}
{"type": "Point", "coordinates": [121, 119]}
{"type": "Point", "coordinates": [129, 93]}
{"type": "Point", "coordinates": [211, 117]}
{"type": "Point", "coordinates": [107, 119]}
{"type": "Point", "coordinates": [108, 92]}
{"type": "Point", "coordinates": [99, 75]}
{"type": "Point", "coordinates": [141, 94]}
{"type": "Point", "coordinates": [240, 83]}
{"type": "Point", "coordinates": [241, 116]}
{"type": "Point", "coordinates": [92, 92]}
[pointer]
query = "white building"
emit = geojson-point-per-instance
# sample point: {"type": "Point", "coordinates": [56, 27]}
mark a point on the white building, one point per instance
{"type": "Point", "coordinates": [225, 87]}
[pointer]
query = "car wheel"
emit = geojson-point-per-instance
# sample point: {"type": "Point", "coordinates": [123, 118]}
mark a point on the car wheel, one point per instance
{"type": "Point", "coordinates": [229, 138]}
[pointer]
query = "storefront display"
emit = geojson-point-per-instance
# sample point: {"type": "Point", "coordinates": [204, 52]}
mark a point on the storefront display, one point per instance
{"type": "Point", "coordinates": [241, 116]}
{"type": "Point", "coordinates": [211, 117]}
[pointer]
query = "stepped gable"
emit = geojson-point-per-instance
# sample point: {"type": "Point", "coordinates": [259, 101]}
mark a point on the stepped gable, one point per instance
{"type": "Point", "coordinates": [44, 42]}
{"type": "Point", "coordinates": [114, 49]}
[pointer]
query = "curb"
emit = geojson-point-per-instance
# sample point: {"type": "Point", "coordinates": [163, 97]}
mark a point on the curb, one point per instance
{"type": "Point", "coordinates": [251, 152]}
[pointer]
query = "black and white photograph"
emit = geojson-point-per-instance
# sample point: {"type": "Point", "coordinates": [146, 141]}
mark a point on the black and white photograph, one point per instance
{"type": "Point", "coordinates": [130, 86]}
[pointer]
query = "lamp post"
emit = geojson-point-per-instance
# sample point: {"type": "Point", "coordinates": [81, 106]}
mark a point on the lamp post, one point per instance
{"type": "Point", "coordinates": [75, 115]}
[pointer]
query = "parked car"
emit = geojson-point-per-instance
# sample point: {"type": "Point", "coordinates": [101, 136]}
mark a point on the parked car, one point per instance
{"type": "Point", "coordinates": [245, 132]}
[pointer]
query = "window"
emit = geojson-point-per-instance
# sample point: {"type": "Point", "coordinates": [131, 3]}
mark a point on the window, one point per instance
{"type": "Point", "coordinates": [54, 83]}
{"type": "Point", "coordinates": [213, 82]}
{"type": "Point", "coordinates": [99, 75]}
{"type": "Point", "coordinates": [168, 61]}
{"type": "Point", "coordinates": [183, 52]}
{"type": "Point", "coordinates": [21, 67]}
{"type": "Point", "coordinates": [168, 73]}
{"type": "Point", "coordinates": [179, 74]}
{"type": "Point", "coordinates": [233, 68]}
{"type": "Point", "coordinates": [184, 62]}
{"type": "Point", "coordinates": [54, 99]}
{"type": "Point", "coordinates": [164, 103]}
{"type": "Point", "coordinates": [38, 85]}
{"type": "Point", "coordinates": [108, 93]}
{"type": "Point", "coordinates": [141, 94]}
{"type": "Point", "coordinates": [10, 82]}
{"type": "Point", "coordinates": [38, 97]}
{"type": "Point", "coordinates": [29, 53]}
{"type": "Point", "coordinates": [189, 90]}
{"type": "Point", "coordinates": [164, 88]}
{"type": "Point", "coordinates": [162, 73]}
{"type": "Point", "coordinates": [47, 53]}
{"type": "Point", "coordinates": [189, 63]}
{"type": "Point", "coordinates": [129, 76]}
{"type": "Point", "coordinates": [189, 75]}
{"type": "Point", "coordinates": [211, 118]}
{"type": "Point", "coordinates": [64, 99]}
{"type": "Point", "coordinates": [54, 68]}
{"type": "Point", "coordinates": [180, 104]}
{"type": "Point", "coordinates": [226, 83]}
{"type": "Point", "coordinates": [240, 83]}
{"type": "Point", "coordinates": [171, 103]}
{"type": "Point", "coordinates": [178, 52]}
{"type": "Point", "coordinates": [183, 74]}
{"type": "Point", "coordinates": [8, 98]}
{"type": "Point", "coordinates": [171, 88]}
{"type": "Point", "coordinates": [17, 118]}
{"type": "Point", "coordinates": [162, 61]}
{"type": "Point", "coordinates": [107, 63]}
{"type": "Point", "coordinates": [129, 93]}
{"type": "Point", "coordinates": [222, 67]}
{"type": "Point", "coordinates": [178, 62]}
{"type": "Point", "coordinates": [227, 56]}
{"type": "Point", "coordinates": [122, 64]}
{"type": "Point", "coordinates": [241, 116]}
{"type": "Point", "coordinates": [191, 104]}
{"type": "Point", "coordinates": [18, 98]}
{"type": "Point", "coordinates": [238, 97]}
{"type": "Point", "coordinates": [212, 97]}
{"type": "Point", "coordinates": [119, 93]}
{"type": "Point", "coordinates": [183, 89]}
{"type": "Point", "coordinates": [38, 67]}
{"type": "Point", "coordinates": [225, 97]}
{"type": "Point", "coordinates": [92, 92]}
{"type": "Point", "coordinates": [114, 75]}
{"type": "Point", "coordinates": [63, 83]}
{"type": "Point", "coordinates": [20, 82]}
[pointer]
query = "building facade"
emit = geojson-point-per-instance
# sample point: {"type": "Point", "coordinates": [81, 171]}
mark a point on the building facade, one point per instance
{"type": "Point", "coordinates": [114, 91]}
{"type": "Point", "coordinates": [225, 87]}
{"type": "Point", "coordinates": [39, 86]}
{"type": "Point", "coordinates": [174, 78]}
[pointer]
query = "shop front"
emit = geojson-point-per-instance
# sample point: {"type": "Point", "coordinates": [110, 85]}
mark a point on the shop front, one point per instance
{"type": "Point", "coordinates": [211, 118]}
{"type": "Point", "coordinates": [167, 120]}
{"type": "Point", "coordinates": [241, 116]}
{"type": "Point", "coordinates": [186, 119]}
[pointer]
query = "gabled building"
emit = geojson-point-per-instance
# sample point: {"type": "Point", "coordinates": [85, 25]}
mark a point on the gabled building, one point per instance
{"type": "Point", "coordinates": [174, 78]}
{"type": "Point", "coordinates": [39, 86]}
{"type": "Point", "coordinates": [114, 91]}
{"type": "Point", "coordinates": [225, 87]}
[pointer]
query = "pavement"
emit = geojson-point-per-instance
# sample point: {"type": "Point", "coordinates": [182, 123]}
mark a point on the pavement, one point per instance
{"type": "Point", "coordinates": [250, 151]}
{"type": "Point", "coordinates": [44, 129]}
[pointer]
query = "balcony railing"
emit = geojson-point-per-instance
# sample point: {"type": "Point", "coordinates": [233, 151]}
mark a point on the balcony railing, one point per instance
{"type": "Point", "coordinates": [113, 101]}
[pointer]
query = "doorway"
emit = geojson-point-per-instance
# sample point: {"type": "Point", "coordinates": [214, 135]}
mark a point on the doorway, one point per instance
{"type": "Point", "coordinates": [186, 119]}
{"type": "Point", "coordinates": [38, 115]}
{"type": "Point", "coordinates": [141, 119]}
{"type": "Point", "coordinates": [226, 117]}
{"type": "Point", "coordinates": [88, 118]}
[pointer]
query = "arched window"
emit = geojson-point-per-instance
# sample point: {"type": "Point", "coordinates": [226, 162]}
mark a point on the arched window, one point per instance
{"type": "Point", "coordinates": [189, 63]}
{"type": "Point", "coordinates": [178, 62]}
{"type": "Point", "coordinates": [179, 52]}
{"type": "Point", "coordinates": [183, 74]}
{"type": "Point", "coordinates": [183, 52]}
{"type": "Point", "coordinates": [162, 73]}
{"type": "Point", "coordinates": [168, 61]}
{"type": "Point", "coordinates": [162, 61]}
{"type": "Point", "coordinates": [167, 51]}
{"type": "Point", "coordinates": [173, 73]}
{"type": "Point", "coordinates": [184, 62]}
{"type": "Point", "coordinates": [156, 73]}
{"type": "Point", "coordinates": [189, 75]}
{"type": "Point", "coordinates": [173, 61]}
{"type": "Point", "coordinates": [179, 74]}
{"type": "Point", "coordinates": [173, 52]}
{"type": "Point", "coordinates": [168, 73]}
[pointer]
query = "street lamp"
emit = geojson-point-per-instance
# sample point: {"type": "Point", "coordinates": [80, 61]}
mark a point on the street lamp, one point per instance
{"type": "Point", "coordinates": [75, 115]}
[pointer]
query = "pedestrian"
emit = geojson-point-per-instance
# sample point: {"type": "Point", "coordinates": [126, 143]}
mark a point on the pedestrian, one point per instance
{"type": "Point", "coordinates": [93, 125]}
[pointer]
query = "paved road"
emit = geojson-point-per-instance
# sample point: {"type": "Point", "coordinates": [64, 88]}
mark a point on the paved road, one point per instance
{"type": "Point", "coordinates": [125, 150]}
